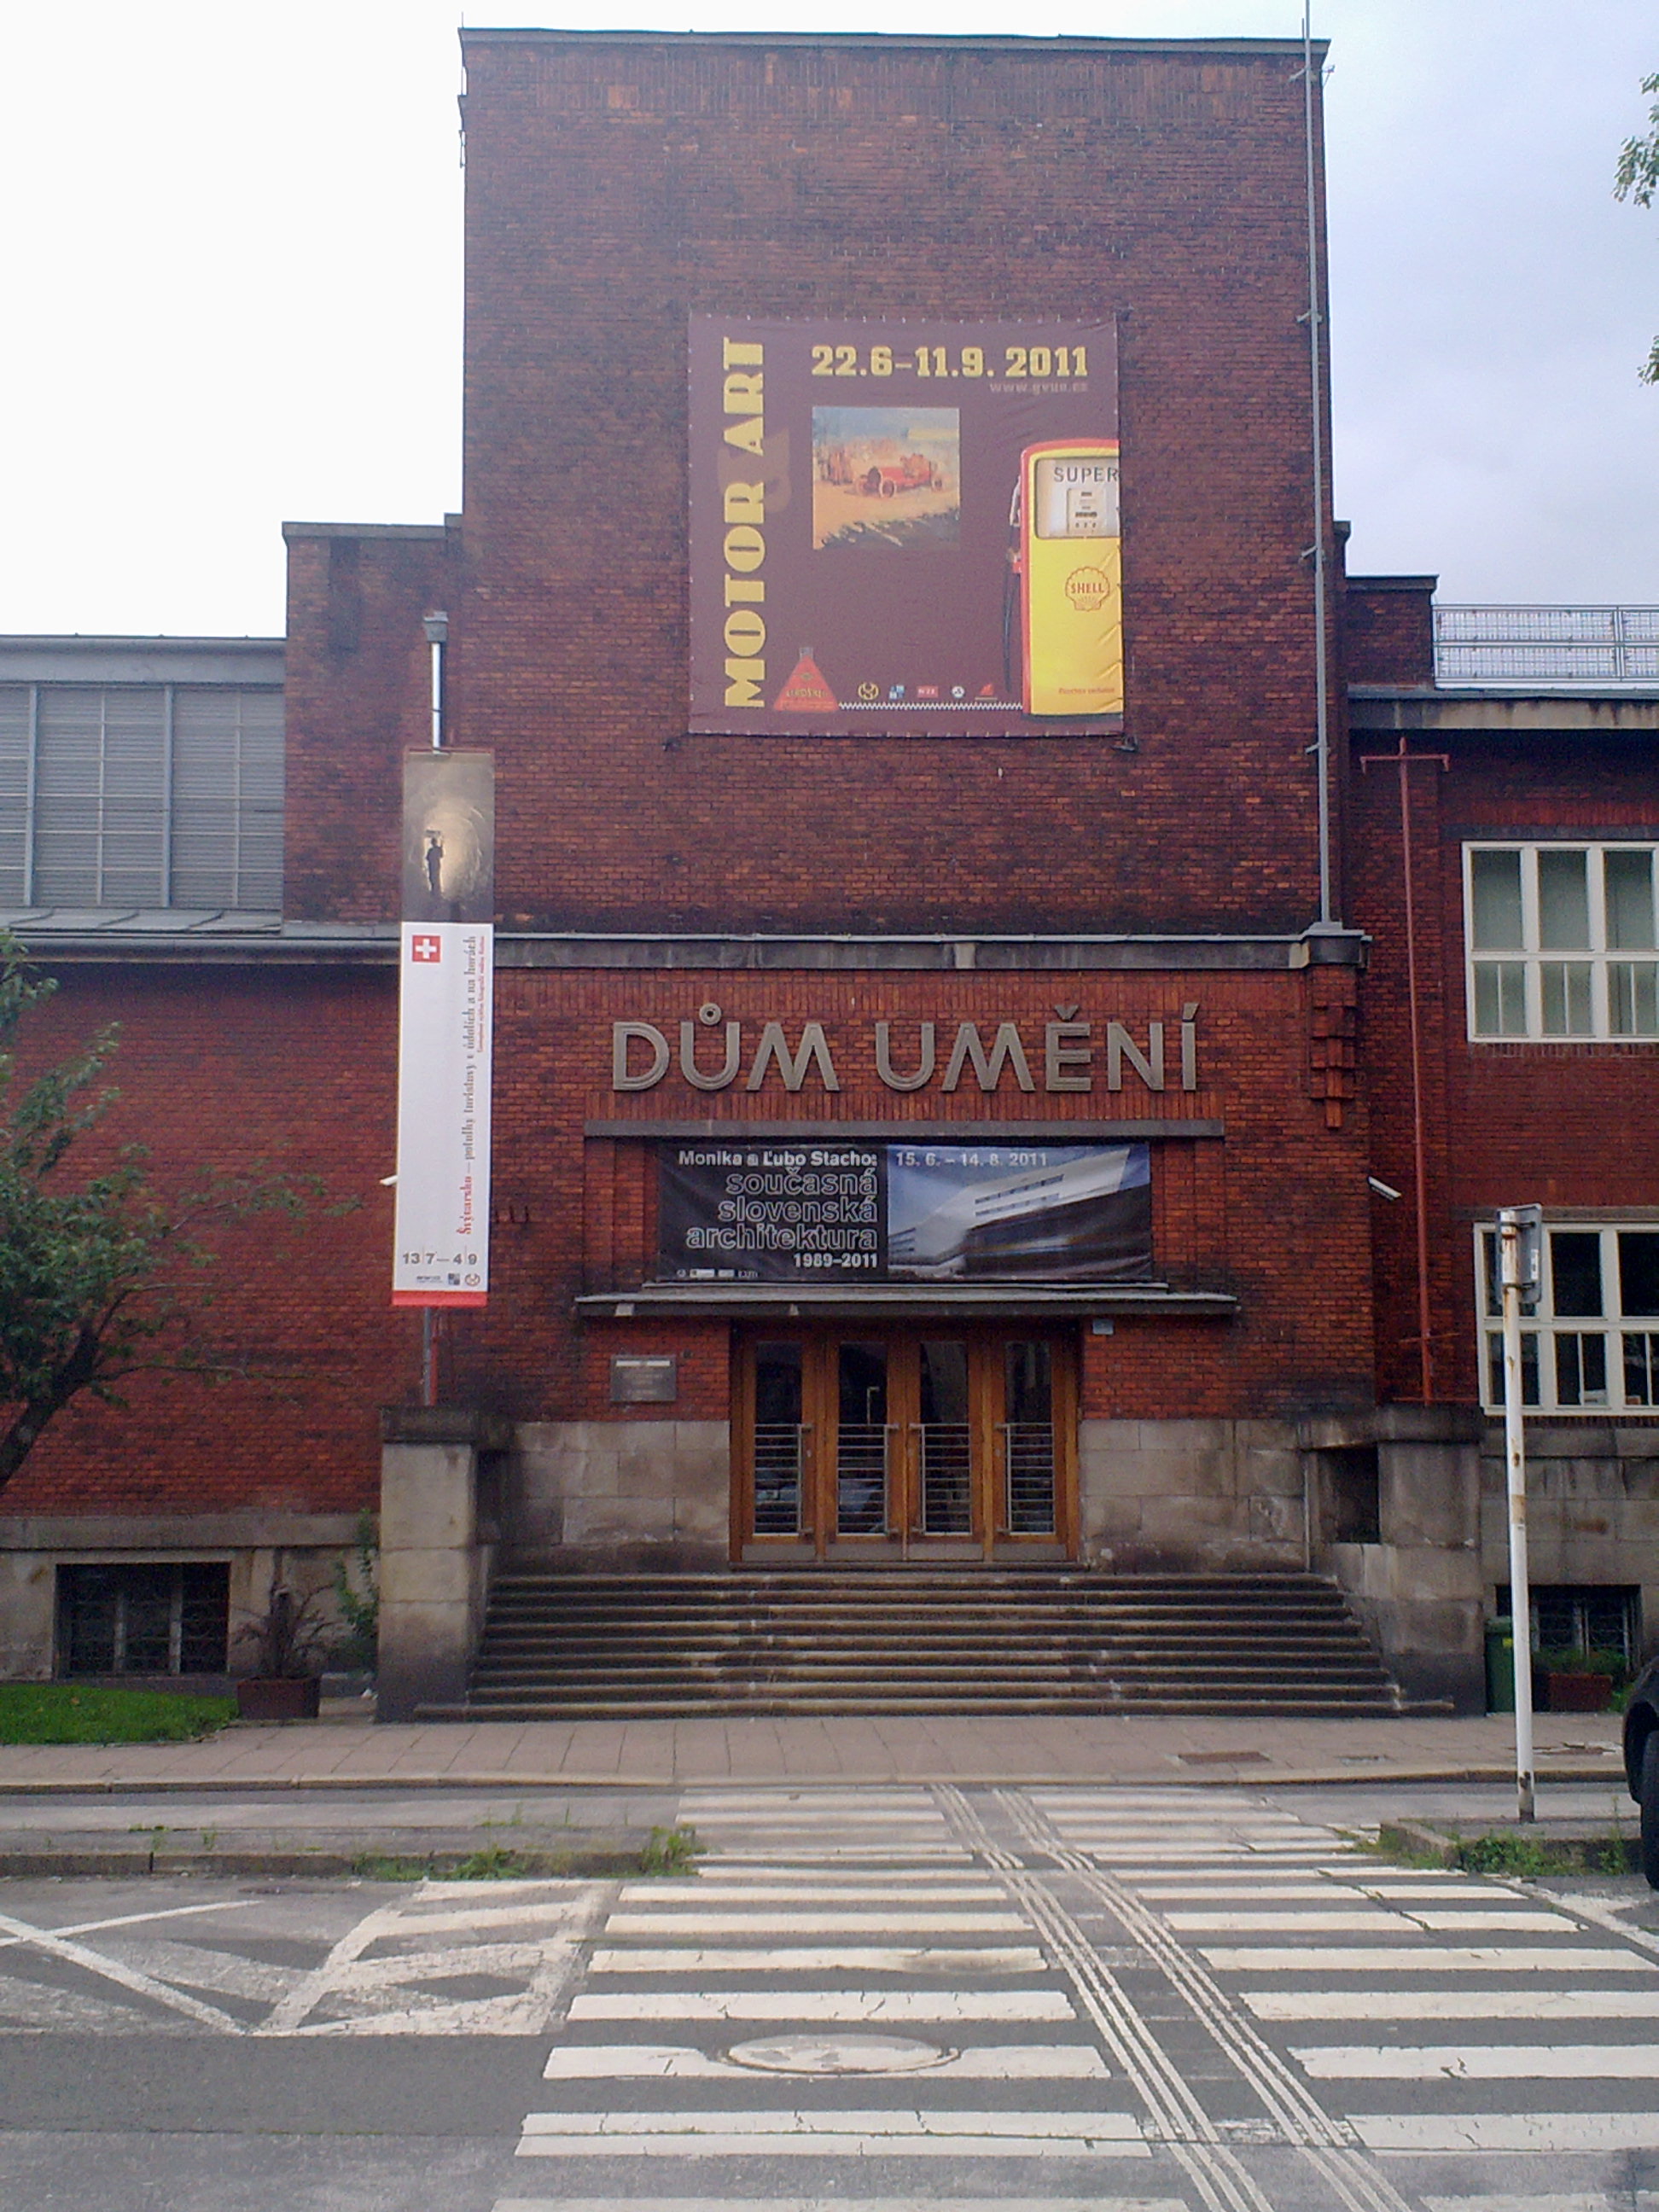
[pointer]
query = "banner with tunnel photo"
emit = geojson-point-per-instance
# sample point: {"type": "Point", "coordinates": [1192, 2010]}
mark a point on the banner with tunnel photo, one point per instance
{"type": "Point", "coordinates": [733, 1212]}
{"type": "Point", "coordinates": [904, 529]}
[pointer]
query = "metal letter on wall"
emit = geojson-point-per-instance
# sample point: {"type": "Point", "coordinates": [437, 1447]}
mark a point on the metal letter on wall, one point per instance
{"type": "Point", "coordinates": [447, 979]}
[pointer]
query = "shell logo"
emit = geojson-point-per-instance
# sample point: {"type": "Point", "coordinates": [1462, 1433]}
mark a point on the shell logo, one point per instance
{"type": "Point", "coordinates": [1088, 589]}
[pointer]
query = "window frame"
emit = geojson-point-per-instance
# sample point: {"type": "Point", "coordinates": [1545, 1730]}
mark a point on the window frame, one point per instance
{"type": "Point", "coordinates": [1532, 956]}
{"type": "Point", "coordinates": [1549, 1334]}
{"type": "Point", "coordinates": [121, 795]}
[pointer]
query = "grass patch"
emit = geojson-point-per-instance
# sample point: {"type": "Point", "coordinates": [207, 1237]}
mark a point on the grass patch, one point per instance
{"type": "Point", "coordinates": [1525, 1857]}
{"type": "Point", "coordinates": [1506, 1851]}
{"type": "Point", "coordinates": [671, 1851]}
{"type": "Point", "coordinates": [70, 1713]}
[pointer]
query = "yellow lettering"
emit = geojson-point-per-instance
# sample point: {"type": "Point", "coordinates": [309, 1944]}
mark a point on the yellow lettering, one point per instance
{"type": "Point", "coordinates": [745, 633]}
{"type": "Point", "coordinates": [745, 591]}
{"type": "Point", "coordinates": [742, 353]}
{"type": "Point", "coordinates": [745, 502]}
{"type": "Point", "coordinates": [743, 682]}
{"type": "Point", "coordinates": [749, 437]}
{"type": "Point", "coordinates": [745, 549]}
{"type": "Point", "coordinates": [743, 395]}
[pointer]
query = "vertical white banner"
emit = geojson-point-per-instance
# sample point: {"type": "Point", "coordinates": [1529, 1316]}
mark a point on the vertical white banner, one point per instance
{"type": "Point", "coordinates": [441, 1255]}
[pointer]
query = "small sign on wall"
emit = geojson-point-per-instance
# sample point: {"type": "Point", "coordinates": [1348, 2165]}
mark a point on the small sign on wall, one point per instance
{"type": "Point", "coordinates": [644, 1378]}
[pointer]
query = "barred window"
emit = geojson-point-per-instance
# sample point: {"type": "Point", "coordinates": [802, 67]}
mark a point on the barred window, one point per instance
{"type": "Point", "coordinates": [141, 795]}
{"type": "Point", "coordinates": [139, 1618]}
{"type": "Point", "coordinates": [1561, 941]}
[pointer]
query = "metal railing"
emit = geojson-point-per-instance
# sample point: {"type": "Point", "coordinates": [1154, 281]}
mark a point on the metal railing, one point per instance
{"type": "Point", "coordinates": [779, 1458]}
{"type": "Point", "coordinates": [1545, 645]}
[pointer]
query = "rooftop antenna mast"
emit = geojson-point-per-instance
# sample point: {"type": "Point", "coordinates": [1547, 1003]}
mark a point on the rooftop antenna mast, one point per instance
{"type": "Point", "coordinates": [1321, 744]}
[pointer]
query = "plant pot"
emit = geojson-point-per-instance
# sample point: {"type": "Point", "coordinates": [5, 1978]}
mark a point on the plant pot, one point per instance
{"type": "Point", "coordinates": [278, 1696]}
{"type": "Point", "coordinates": [1577, 1693]}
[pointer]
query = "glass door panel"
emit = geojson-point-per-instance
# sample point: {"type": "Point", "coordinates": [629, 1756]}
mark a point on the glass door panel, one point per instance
{"type": "Point", "coordinates": [1027, 1432]}
{"type": "Point", "coordinates": [862, 1433]}
{"type": "Point", "coordinates": [780, 1438]}
{"type": "Point", "coordinates": [944, 1440]}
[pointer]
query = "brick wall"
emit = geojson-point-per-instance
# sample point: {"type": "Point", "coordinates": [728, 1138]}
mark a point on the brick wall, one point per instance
{"type": "Point", "coordinates": [273, 1074]}
{"type": "Point", "coordinates": [615, 186]}
{"type": "Point", "coordinates": [1277, 1205]}
{"type": "Point", "coordinates": [1560, 1125]}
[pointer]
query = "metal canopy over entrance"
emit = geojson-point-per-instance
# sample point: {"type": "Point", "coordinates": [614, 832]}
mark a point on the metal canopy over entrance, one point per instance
{"type": "Point", "coordinates": [943, 1441]}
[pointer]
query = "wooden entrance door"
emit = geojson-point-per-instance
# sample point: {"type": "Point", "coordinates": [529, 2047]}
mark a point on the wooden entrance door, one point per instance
{"type": "Point", "coordinates": [873, 1445]}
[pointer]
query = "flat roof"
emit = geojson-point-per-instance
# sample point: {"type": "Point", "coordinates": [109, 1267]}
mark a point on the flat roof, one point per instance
{"type": "Point", "coordinates": [886, 40]}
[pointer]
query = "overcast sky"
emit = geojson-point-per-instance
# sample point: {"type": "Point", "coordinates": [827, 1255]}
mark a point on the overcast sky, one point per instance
{"type": "Point", "coordinates": [231, 263]}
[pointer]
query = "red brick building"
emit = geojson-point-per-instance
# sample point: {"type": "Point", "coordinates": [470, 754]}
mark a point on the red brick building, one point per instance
{"type": "Point", "coordinates": [1089, 952]}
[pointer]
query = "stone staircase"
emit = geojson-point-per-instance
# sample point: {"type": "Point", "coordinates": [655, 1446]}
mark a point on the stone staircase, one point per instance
{"type": "Point", "coordinates": [891, 1640]}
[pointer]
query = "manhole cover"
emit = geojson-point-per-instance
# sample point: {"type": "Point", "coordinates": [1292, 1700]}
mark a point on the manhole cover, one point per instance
{"type": "Point", "coordinates": [838, 2054]}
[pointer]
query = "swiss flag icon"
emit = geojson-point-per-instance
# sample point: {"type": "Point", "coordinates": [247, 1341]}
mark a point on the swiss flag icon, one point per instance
{"type": "Point", "coordinates": [426, 948]}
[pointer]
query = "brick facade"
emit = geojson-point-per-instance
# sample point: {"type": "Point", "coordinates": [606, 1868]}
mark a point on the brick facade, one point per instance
{"type": "Point", "coordinates": [618, 186]}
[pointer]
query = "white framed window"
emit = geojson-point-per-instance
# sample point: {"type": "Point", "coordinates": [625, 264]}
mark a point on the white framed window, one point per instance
{"type": "Point", "coordinates": [1592, 1343]}
{"type": "Point", "coordinates": [1561, 940]}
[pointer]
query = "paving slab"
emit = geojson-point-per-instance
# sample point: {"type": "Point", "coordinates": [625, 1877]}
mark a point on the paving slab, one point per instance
{"type": "Point", "coordinates": [353, 1753]}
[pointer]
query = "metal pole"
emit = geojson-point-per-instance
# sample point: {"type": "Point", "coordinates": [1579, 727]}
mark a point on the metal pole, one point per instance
{"type": "Point", "coordinates": [1515, 1455]}
{"type": "Point", "coordinates": [1321, 747]}
{"type": "Point", "coordinates": [428, 1356]}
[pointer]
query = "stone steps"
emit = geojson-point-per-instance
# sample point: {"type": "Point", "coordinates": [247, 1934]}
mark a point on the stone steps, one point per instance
{"type": "Point", "coordinates": [907, 1640]}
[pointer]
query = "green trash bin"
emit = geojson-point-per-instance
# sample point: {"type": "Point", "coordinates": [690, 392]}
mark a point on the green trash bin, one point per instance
{"type": "Point", "coordinates": [1500, 1665]}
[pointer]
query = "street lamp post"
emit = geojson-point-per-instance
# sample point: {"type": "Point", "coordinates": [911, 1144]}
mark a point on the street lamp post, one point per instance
{"type": "Point", "coordinates": [1520, 1248]}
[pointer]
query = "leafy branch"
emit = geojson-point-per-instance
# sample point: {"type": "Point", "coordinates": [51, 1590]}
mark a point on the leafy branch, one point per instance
{"type": "Point", "coordinates": [1636, 177]}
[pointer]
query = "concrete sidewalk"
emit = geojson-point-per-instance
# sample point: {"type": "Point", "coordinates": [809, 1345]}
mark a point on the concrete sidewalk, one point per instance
{"type": "Point", "coordinates": [351, 1752]}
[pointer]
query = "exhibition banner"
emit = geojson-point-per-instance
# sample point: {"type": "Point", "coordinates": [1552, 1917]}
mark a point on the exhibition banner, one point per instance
{"type": "Point", "coordinates": [743, 1213]}
{"type": "Point", "coordinates": [446, 981]}
{"type": "Point", "coordinates": [904, 529]}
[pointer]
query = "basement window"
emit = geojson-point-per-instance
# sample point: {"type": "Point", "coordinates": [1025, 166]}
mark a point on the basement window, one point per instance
{"type": "Point", "coordinates": [1583, 1617]}
{"type": "Point", "coordinates": [170, 1619]}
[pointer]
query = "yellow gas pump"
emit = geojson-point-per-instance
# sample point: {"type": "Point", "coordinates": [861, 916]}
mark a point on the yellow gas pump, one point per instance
{"type": "Point", "coordinates": [1070, 562]}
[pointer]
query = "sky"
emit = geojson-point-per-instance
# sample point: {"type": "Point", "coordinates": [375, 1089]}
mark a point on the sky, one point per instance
{"type": "Point", "coordinates": [231, 260]}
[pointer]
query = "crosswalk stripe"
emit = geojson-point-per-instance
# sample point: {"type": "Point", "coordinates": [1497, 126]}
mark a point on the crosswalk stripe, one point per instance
{"type": "Point", "coordinates": [1092, 2203]}
{"type": "Point", "coordinates": [633, 2062]}
{"type": "Point", "coordinates": [1559, 2134]}
{"type": "Point", "coordinates": [1513, 2062]}
{"type": "Point", "coordinates": [724, 1888]}
{"type": "Point", "coordinates": [1356, 1921]}
{"type": "Point", "coordinates": [849, 2006]}
{"type": "Point", "coordinates": [1415, 1957]}
{"type": "Point", "coordinates": [1375, 1920]}
{"type": "Point", "coordinates": [1280, 1888]}
{"type": "Point", "coordinates": [1437, 2004]}
{"type": "Point", "coordinates": [857, 2133]}
{"type": "Point", "coordinates": [884, 1959]}
{"type": "Point", "coordinates": [815, 1924]}
{"type": "Point", "coordinates": [1508, 2203]}
{"type": "Point", "coordinates": [826, 2146]}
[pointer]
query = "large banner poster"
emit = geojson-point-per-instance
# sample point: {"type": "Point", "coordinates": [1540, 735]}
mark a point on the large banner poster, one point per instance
{"type": "Point", "coordinates": [743, 1213]}
{"type": "Point", "coordinates": [904, 529]}
{"type": "Point", "coordinates": [446, 970]}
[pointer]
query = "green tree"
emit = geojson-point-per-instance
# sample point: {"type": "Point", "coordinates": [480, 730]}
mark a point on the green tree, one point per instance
{"type": "Point", "coordinates": [1637, 178]}
{"type": "Point", "coordinates": [102, 1275]}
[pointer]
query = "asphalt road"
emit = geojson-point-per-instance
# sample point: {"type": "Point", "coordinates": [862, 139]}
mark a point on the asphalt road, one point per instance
{"type": "Point", "coordinates": [1132, 2000]}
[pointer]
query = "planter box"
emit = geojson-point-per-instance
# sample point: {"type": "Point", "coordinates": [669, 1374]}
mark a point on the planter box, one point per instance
{"type": "Point", "coordinates": [1577, 1693]}
{"type": "Point", "coordinates": [278, 1698]}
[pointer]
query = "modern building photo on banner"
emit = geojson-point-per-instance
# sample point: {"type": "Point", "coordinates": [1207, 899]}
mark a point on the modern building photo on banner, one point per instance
{"type": "Point", "coordinates": [904, 529]}
{"type": "Point", "coordinates": [793, 1213]}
